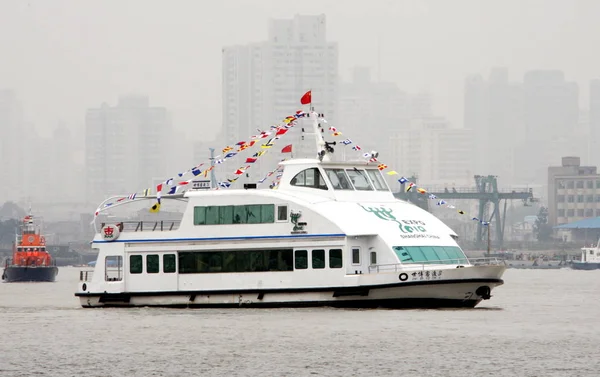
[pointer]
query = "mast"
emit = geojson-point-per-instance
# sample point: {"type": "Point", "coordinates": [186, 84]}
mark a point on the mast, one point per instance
{"type": "Point", "coordinates": [488, 240]}
{"type": "Point", "coordinates": [213, 181]}
{"type": "Point", "coordinates": [321, 145]}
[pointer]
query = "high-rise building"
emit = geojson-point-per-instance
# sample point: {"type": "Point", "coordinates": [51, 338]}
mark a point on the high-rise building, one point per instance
{"type": "Point", "coordinates": [126, 147]}
{"type": "Point", "coordinates": [520, 127]}
{"type": "Point", "coordinates": [493, 110]}
{"type": "Point", "coordinates": [371, 111]}
{"type": "Point", "coordinates": [573, 192]}
{"type": "Point", "coordinates": [594, 122]}
{"type": "Point", "coordinates": [16, 147]}
{"type": "Point", "coordinates": [263, 82]}
{"type": "Point", "coordinates": [434, 152]}
{"type": "Point", "coordinates": [550, 115]}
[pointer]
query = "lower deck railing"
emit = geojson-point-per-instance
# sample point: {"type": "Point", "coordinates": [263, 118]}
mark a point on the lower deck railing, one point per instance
{"type": "Point", "coordinates": [85, 275]}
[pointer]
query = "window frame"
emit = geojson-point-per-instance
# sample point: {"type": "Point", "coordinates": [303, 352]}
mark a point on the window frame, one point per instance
{"type": "Point", "coordinates": [377, 178]}
{"type": "Point", "coordinates": [118, 269]}
{"type": "Point", "coordinates": [148, 270]}
{"type": "Point", "coordinates": [341, 253]}
{"type": "Point", "coordinates": [312, 259]}
{"type": "Point", "coordinates": [164, 263]}
{"type": "Point", "coordinates": [141, 265]}
{"type": "Point", "coordinates": [356, 249]}
{"type": "Point", "coordinates": [278, 208]}
{"type": "Point", "coordinates": [296, 256]}
{"type": "Point", "coordinates": [362, 174]}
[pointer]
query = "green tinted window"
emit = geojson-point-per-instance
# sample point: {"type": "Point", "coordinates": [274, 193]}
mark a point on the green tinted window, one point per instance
{"type": "Point", "coordinates": [455, 254]}
{"type": "Point", "coordinates": [152, 264]}
{"type": "Point", "coordinates": [135, 264]}
{"type": "Point", "coordinates": [212, 215]}
{"type": "Point", "coordinates": [301, 260]}
{"type": "Point", "coordinates": [199, 215]}
{"type": "Point", "coordinates": [244, 214]}
{"type": "Point", "coordinates": [226, 215]}
{"type": "Point", "coordinates": [253, 214]}
{"type": "Point", "coordinates": [267, 213]}
{"type": "Point", "coordinates": [430, 254]}
{"type": "Point", "coordinates": [335, 258]}
{"type": "Point", "coordinates": [239, 215]}
{"type": "Point", "coordinates": [169, 263]}
{"type": "Point", "coordinates": [318, 259]}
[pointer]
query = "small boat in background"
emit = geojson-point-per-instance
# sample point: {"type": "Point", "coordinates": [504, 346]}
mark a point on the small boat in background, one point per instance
{"type": "Point", "coordinates": [590, 258]}
{"type": "Point", "coordinates": [30, 260]}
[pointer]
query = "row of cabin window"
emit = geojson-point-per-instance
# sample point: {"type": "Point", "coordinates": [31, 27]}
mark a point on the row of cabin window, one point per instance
{"type": "Point", "coordinates": [255, 260]}
{"type": "Point", "coordinates": [341, 179]}
{"type": "Point", "coordinates": [136, 264]}
{"type": "Point", "coordinates": [430, 254]}
{"type": "Point", "coordinates": [242, 214]}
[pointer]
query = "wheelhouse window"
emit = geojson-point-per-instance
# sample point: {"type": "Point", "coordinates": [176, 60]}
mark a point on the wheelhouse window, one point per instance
{"type": "Point", "coordinates": [152, 264]}
{"type": "Point", "coordinates": [309, 178]}
{"type": "Point", "coordinates": [430, 254]}
{"type": "Point", "coordinates": [243, 214]}
{"type": "Point", "coordinates": [359, 179]}
{"type": "Point", "coordinates": [135, 264]}
{"type": "Point", "coordinates": [377, 179]}
{"type": "Point", "coordinates": [338, 178]}
{"type": "Point", "coordinates": [335, 258]}
{"type": "Point", "coordinates": [113, 268]}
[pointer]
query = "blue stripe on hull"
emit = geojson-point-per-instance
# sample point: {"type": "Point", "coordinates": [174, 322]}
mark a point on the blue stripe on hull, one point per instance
{"type": "Point", "coordinates": [14, 274]}
{"type": "Point", "coordinates": [227, 238]}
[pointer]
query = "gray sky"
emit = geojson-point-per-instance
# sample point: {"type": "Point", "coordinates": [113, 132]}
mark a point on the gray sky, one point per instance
{"type": "Point", "coordinates": [64, 56]}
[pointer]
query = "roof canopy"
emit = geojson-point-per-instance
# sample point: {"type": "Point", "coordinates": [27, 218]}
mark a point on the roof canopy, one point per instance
{"type": "Point", "coordinates": [591, 223]}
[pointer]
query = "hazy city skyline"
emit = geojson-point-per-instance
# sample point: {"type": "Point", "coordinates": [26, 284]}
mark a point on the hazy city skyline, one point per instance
{"type": "Point", "coordinates": [67, 56]}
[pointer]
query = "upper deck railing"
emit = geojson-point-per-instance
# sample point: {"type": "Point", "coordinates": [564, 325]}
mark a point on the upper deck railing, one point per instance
{"type": "Point", "coordinates": [421, 266]}
{"type": "Point", "coordinates": [146, 226]}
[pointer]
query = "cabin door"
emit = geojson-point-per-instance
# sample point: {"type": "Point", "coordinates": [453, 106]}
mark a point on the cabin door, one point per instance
{"type": "Point", "coordinates": [357, 260]}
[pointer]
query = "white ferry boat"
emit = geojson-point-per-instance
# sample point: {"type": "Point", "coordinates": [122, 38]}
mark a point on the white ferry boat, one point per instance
{"type": "Point", "coordinates": [590, 258]}
{"type": "Point", "coordinates": [331, 234]}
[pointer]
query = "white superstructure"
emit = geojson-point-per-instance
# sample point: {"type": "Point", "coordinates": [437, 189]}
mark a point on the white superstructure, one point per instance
{"type": "Point", "coordinates": [331, 234]}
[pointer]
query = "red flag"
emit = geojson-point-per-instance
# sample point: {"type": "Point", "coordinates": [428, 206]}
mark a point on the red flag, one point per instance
{"type": "Point", "coordinates": [287, 149]}
{"type": "Point", "coordinates": [306, 98]}
{"type": "Point", "coordinates": [251, 160]}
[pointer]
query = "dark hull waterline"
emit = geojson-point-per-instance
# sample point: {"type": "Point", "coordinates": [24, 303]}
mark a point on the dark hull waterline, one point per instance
{"type": "Point", "coordinates": [585, 266]}
{"type": "Point", "coordinates": [14, 274]}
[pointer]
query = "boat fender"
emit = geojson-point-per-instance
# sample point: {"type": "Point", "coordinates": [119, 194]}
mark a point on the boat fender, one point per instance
{"type": "Point", "coordinates": [403, 277]}
{"type": "Point", "coordinates": [84, 287]}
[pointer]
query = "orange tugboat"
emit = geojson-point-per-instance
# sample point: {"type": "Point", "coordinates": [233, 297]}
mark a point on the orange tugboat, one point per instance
{"type": "Point", "coordinates": [30, 260]}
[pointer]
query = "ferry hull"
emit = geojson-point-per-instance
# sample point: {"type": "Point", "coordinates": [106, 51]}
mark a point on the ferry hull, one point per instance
{"type": "Point", "coordinates": [425, 295]}
{"type": "Point", "coordinates": [13, 274]}
{"type": "Point", "coordinates": [585, 266]}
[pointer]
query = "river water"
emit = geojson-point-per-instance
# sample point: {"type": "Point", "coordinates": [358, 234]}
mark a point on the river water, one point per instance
{"type": "Point", "coordinates": [539, 323]}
